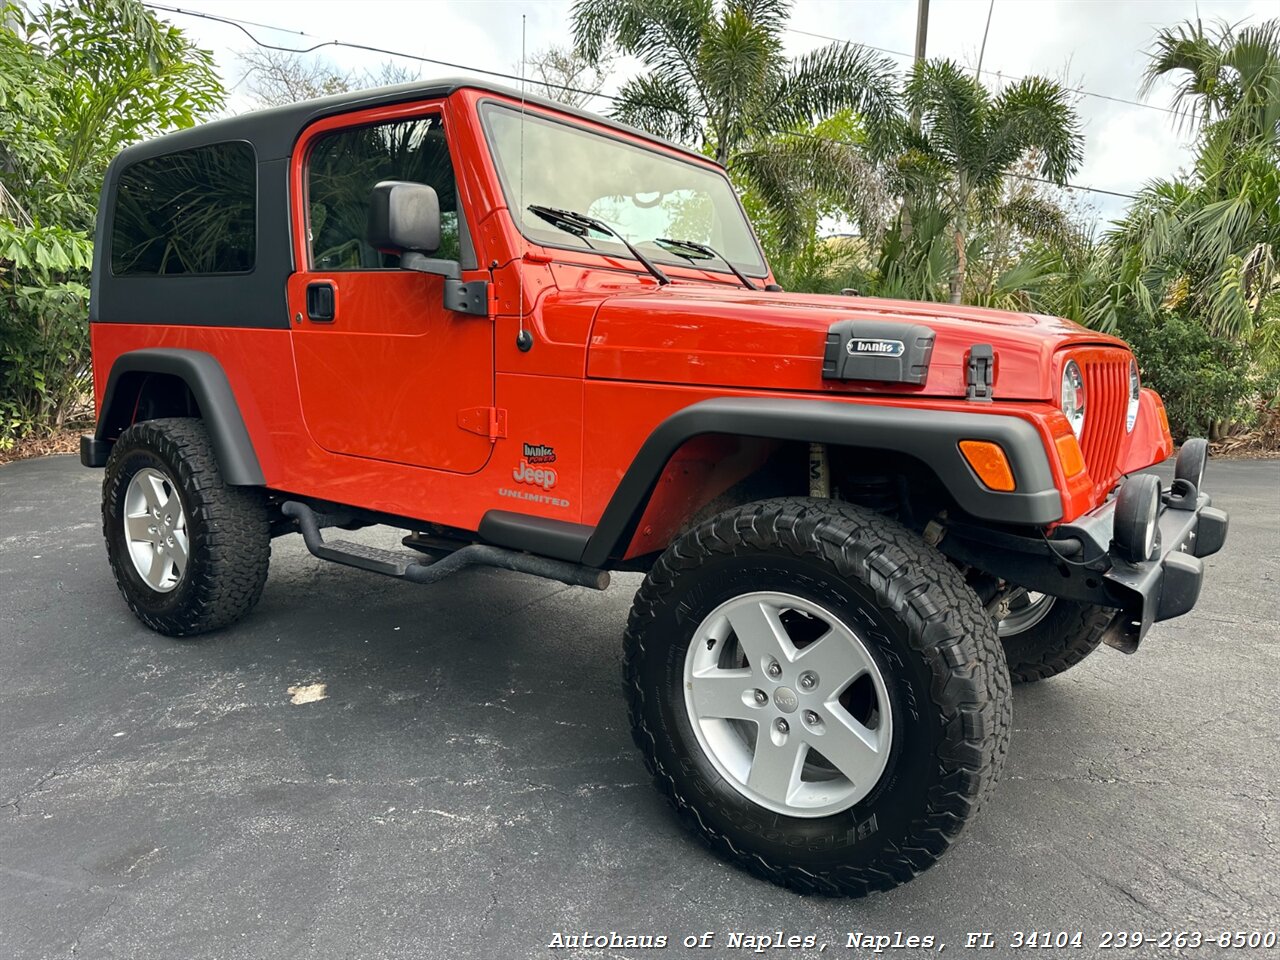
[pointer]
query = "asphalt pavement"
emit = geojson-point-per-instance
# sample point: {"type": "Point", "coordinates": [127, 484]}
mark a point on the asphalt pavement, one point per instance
{"type": "Point", "coordinates": [467, 787]}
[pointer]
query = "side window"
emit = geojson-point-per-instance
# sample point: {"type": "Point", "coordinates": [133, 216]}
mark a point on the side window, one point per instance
{"type": "Point", "coordinates": [190, 212]}
{"type": "Point", "coordinates": [341, 173]}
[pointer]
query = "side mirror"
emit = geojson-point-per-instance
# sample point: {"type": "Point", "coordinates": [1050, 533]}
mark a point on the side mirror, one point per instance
{"type": "Point", "coordinates": [404, 217]}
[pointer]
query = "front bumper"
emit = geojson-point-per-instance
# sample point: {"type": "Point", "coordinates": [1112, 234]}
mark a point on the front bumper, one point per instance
{"type": "Point", "coordinates": [1082, 560]}
{"type": "Point", "coordinates": [1167, 586]}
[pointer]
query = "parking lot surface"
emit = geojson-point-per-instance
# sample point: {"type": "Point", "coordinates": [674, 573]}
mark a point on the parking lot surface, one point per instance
{"type": "Point", "coordinates": [464, 785]}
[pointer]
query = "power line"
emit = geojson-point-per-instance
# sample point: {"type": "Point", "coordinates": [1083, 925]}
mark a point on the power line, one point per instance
{"type": "Point", "coordinates": [993, 73]}
{"type": "Point", "coordinates": [241, 25]}
{"type": "Point", "coordinates": [1072, 186]}
{"type": "Point", "coordinates": [1020, 176]}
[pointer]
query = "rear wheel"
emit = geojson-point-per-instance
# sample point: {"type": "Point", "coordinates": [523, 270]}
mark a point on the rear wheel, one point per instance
{"type": "Point", "coordinates": [189, 553]}
{"type": "Point", "coordinates": [818, 692]}
{"type": "Point", "coordinates": [1045, 635]}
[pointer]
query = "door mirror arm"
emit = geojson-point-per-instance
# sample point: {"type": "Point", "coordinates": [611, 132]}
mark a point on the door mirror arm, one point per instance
{"type": "Point", "coordinates": [470, 297]}
{"type": "Point", "coordinates": [413, 260]}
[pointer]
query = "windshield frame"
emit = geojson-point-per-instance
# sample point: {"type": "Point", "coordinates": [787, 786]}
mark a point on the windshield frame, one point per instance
{"type": "Point", "coordinates": [485, 108]}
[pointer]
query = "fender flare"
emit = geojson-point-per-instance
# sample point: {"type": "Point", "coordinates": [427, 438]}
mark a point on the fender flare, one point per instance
{"type": "Point", "coordinates": [219, 409]}
{"type": "Point", "coordinates": [930, 436]}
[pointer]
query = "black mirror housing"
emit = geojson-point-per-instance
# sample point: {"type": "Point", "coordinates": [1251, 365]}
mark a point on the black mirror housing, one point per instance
{"type": "Point", "coordinates": [404, 217]}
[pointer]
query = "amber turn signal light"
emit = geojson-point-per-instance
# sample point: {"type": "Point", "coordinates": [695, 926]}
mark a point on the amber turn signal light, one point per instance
{"type": "Point", "coordinates": [1069, 454]}
{"type": "Point", "coordinates": [989, 463]}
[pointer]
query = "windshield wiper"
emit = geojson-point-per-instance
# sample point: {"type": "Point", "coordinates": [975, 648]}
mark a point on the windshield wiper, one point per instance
{"type": "Point", "coordinates": [570, 221]}
{"type": "Point", "coordinates": [707, 252]}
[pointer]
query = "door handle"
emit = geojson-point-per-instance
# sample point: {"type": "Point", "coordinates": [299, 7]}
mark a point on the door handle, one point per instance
{"type": "Point", "coordinates": [322, 301]}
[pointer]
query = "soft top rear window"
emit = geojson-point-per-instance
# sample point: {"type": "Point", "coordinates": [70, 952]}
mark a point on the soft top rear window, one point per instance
{"type": "Point", "coordinates": [193, 212]}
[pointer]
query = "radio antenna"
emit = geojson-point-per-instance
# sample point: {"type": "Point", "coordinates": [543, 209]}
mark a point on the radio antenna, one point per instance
{"type": "Point", "coordinates": [524, 340]}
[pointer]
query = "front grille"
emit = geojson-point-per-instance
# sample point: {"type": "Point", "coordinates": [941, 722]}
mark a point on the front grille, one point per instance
{"type": "Point", "coordinates": [1106, 397]}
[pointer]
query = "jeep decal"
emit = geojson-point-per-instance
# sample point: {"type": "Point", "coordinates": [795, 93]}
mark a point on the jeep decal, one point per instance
{"type": "Point", "coordinates": [544, 477]}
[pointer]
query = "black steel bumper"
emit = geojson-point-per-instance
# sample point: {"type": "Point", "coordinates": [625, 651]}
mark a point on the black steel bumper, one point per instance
{"type": "Point", "coordinates": [1091, 560]}
{"type": "Point", "coordinates": [1162, 588]}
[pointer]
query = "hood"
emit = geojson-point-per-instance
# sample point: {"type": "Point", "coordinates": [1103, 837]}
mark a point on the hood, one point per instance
{"type": "Point", "coordinates": [718, 336]}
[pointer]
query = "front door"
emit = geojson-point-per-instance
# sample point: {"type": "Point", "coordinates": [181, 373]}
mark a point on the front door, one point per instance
{"type": "Point", "coordinates": [384, 371]}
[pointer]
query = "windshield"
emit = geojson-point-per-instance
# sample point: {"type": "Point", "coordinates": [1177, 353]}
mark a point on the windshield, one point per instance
{"type": "Point", "coordinates": [643, 194]}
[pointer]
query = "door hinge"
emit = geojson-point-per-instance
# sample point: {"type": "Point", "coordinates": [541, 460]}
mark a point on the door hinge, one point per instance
{"type": "Point", "coordinates": [489, 422]}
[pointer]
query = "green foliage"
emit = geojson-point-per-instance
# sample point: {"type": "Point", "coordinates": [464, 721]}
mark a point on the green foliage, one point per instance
{"type": "Point", "coordinates": [958, 160]}
{"type": "Point", "coordinates": [718, 78]}
{"type": "Point", "coordinates": [1204, 380]}
{"type": "Point", "coordinates": [1224, 78]}
{"type": "Point", "coordinates": [43, 347]}
{"type": "Point", "coordinates": [77, 83]}
{"type": "Point", "coordinates": [1190, 272]}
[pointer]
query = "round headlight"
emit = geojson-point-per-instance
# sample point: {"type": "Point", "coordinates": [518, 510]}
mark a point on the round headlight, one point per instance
{"type": "Point", "coordinates": [1135, 390]}
{"type": "Point", "coordinates": [1072, 401]}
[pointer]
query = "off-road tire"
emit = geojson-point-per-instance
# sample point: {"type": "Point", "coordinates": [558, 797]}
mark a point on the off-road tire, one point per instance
{"type": "Point", "coordinates": [935, 645]}
{"type": "Point", "coordinates": [228, 530]}
{"type": "Point", "coordinates": [1069, 632]}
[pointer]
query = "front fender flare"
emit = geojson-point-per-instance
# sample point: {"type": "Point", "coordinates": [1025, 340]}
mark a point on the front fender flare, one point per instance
{"type": "Point", "coordinates": [219, 409]}
{"type": "Point", "coordinates": [930, 436]}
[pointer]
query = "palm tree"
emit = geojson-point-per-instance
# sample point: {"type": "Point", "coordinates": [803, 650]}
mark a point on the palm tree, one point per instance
{"type": "Point", "coordinates": [718, 79]}
{"type": "Point", "coordinates": [1209, 246]}
{"type": "Point", "coordinates": [1225, 78]}
{"type": "Point", "coordinates": [968, 142]}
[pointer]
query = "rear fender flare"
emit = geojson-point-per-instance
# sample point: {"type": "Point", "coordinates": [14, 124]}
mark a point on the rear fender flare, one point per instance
{"type": "Point", "coordinates": [930, 436]}
{"type": "Point", "coordinates": [207, 381]}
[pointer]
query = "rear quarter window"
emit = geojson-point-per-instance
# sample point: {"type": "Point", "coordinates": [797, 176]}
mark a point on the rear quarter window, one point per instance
{"type": "Point", "coordinates": [193, 212]}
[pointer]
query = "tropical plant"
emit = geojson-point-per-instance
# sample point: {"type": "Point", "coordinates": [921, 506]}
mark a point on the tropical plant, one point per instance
{"type": "Point", "coordinates": [717, 78]}
{"type": "Point", "coordinates": [1208, 245]}
{"type": "Point", "coordinates": [77, 83]}
{"type": "Point", "coordinates": [1189, 275]}
{"type": "Point", "coordinates": [958, 160]}
{"type": "Point", "coordinates": [1227, 79]}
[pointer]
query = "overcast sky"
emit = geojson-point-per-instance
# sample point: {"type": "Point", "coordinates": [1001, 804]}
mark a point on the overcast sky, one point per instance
{"type": "Point", "coordinates": [1094, 44]}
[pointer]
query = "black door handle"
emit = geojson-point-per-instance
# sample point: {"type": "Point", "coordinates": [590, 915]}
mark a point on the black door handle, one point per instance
{"type": "Point", "coordinates": [321, 301]}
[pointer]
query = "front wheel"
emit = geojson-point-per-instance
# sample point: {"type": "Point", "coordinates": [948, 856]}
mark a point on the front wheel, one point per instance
{"type": "Point", "coordinates": [818, 692]}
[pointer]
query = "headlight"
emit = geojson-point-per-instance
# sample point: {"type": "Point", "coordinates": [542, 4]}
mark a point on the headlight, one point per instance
{"type": "Point", "coordinates": [1135, 388]}
{"type": "Point", "coordinates": [1072, 401]}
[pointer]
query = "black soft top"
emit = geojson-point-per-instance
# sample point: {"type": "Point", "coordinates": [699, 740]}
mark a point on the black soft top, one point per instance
{"type": "Point", "coordinates": [257, 298]}
{"type": "Point", "coordinates": [274, 131]}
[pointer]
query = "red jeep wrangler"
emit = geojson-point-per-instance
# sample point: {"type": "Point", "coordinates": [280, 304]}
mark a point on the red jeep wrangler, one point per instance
{"type": "Point", "coordinates": [539, 340]}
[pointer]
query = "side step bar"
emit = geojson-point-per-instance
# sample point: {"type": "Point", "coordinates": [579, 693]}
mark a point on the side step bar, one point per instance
{"type": "Point", "coordinates": [393, 563]}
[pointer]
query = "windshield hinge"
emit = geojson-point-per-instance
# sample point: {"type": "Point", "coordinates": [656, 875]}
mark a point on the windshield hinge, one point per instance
{"type": "Point", "coordinates": [489, 422]}
{"type": "Point", "coordinates": [981, 372]}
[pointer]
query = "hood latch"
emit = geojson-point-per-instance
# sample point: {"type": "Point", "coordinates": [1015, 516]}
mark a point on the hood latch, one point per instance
{"type": "Point", "coordinates": [981, 372]}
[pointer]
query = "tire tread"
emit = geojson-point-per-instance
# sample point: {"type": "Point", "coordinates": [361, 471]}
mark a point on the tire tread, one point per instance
{"type": "Point", "coordinates": [1069, 633]}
